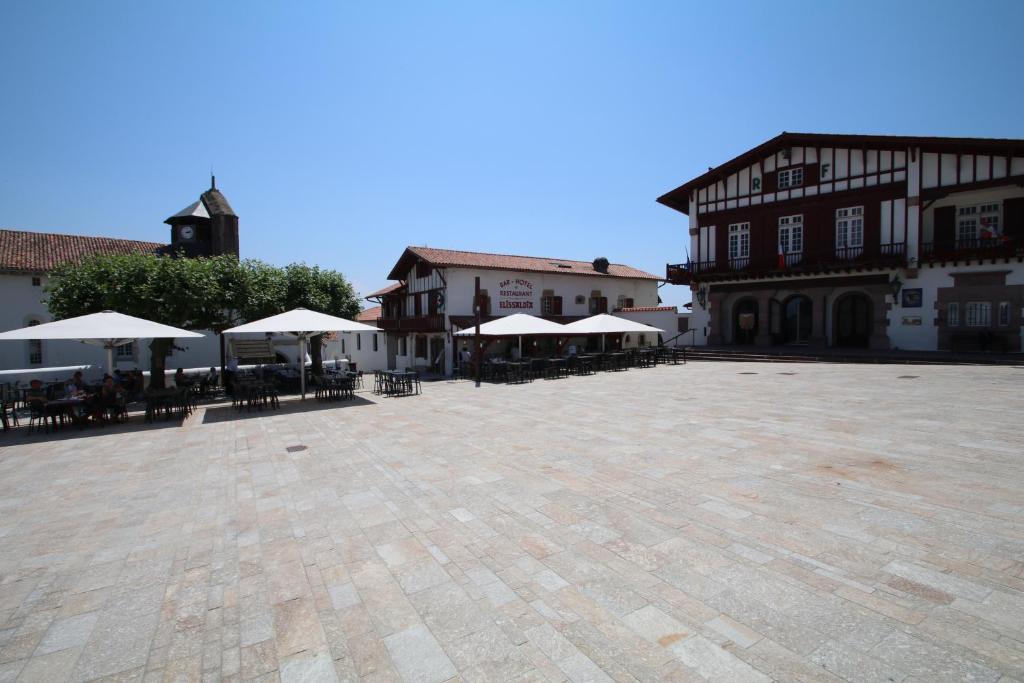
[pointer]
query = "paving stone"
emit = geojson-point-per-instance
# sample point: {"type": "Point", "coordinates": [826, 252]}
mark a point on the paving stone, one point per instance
{"type": "Point", "coordinates": [417, 656]}
{"type": "Point", "coordinates": [777, 535]}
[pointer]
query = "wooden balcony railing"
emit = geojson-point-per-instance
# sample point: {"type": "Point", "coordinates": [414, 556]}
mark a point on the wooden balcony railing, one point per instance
{"type": "Point", "coordinates": [996, 247]}
{"type": "Point", "coordinates": [835, 259]}
{"type": "Point", "coordinates": [418, 323]}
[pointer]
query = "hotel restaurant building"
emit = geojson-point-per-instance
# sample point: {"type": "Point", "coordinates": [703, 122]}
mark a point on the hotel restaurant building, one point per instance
{"type": "Point", "coordinates": [433, 297]}
{"type": "Point", "coordinates": [878, 242]}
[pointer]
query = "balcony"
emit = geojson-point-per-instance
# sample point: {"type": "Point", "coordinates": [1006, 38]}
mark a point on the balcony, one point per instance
{"type": "Point", "coordinates": [757, 266]}
{"type": "Point", "coordinates": [418, 323]}
{"type": "Point", "coordinates": [967, 249]}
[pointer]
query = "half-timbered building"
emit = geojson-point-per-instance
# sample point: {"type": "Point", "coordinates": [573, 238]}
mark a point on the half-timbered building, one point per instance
{"type": "Point", "coordinates": [433, 296]}
{"type": "Point", "coordinates": [880, 242]}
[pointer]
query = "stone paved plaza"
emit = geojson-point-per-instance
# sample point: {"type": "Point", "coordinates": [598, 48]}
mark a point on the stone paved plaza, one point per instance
{"type": "Point", "coordinates": [719, 521]}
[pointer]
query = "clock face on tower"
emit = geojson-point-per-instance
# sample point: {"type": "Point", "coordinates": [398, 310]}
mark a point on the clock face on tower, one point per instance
{"type": "Point", "coordinates": [187, 232]}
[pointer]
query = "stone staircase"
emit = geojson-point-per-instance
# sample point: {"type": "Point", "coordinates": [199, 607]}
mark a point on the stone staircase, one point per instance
{"type": "Point", "coordinates": [803, 354]}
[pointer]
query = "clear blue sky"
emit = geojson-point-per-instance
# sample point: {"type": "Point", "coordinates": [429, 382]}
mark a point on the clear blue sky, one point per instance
{"type": "Point", "coordinates": [343, 132]}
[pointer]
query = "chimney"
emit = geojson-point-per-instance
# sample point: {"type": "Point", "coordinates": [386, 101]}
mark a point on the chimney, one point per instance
{"type": "Point", "coordinates": [601, 264]}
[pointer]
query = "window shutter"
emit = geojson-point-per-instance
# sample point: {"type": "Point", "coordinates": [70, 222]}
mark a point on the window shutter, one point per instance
{"type": "Point", "coordinates": [1013, 218]}
{"type": "Point", "coordinates": [556, 305]}
{"type": "Point", "coordinates": [629, 303]}
{"type": "Point", "coordinates": [945, 225]}
{"type": "Point", "coordinates": [602, 306]}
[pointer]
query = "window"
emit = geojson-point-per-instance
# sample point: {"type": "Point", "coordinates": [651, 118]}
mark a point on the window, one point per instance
{"type": "Point", "coordinates": [598, 304]}
{"type": "Point", "coordinates": [580, 299]}
{"type": "Point", "coordinates": [403, 348]}
{"type": "Point", "coordinates": [37, 281]}
{"type": "Point", "coordinates": [739, 243]}
{"type": "Point", "coordinates": [979, 222]}
{"type": "Point", "coordinates": [978, 314]}
{"type": "Point", "coordinates": [375, 342]}
{"type": "Point", "coordinates": [850, 231]}
{"type": "Point", "coordinates": [791, 239]}
{"type": "Point", "coordinates": [35, 347]}
{"type": "Point", "coordinates": [953, 314]}
{"type": "Point", "coordinates": [343, 345]}
{"type": "Point", "coordinates": [359, 341]}
{"type": "Point", "coordinates": [1004, 313]}
{"type": "Point", "coordinates": [421, 346]}
{"type": "Point", "coordinates": [124, 351]}
{"type": "Point", "coordinates": [791, 177]}
{"type": "Point", "coordinates": [550, 305]}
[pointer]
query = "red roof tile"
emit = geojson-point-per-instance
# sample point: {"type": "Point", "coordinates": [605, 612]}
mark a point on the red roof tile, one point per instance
{"type": "Point", "coordinates": [43, 252]}
{"type": "Point", "coordinates": [540, 264]}
{"type": "Point", "coordinates": [646, 309]}
{"type": "Point", "coordinates": [369, 315]}
{"type": "Point", "coordinates": [387, 290]}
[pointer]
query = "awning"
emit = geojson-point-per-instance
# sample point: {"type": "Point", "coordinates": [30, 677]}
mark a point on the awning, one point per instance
{"type": "Point", "coordinates": [607, 324]}
{"type": "Point", "coordinates": [516, 325]}
{"type": "Point", "coordinates": [107, 329]}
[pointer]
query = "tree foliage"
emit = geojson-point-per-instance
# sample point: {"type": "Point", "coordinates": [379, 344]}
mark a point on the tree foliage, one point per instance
{"type": "Point", "coordinates": [195, 293]}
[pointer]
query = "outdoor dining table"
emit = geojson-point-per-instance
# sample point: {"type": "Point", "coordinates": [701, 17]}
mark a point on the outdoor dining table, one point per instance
{"type": "Point", "coordinates": [618, 360]}
{"type": "Point", "coordinates": [517, 372]}
{"type": "Point", "coordinates": [647, 357]}
{"type": "Point", "coordinates": [400, 382]}
{"type": "Point", "coordinates": [66, 407]}
{"type": "Point", "coordinates": [585, 364]}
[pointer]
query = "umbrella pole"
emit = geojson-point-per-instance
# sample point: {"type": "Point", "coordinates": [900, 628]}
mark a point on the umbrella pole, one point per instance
{"type": "Point", "coordinates": [302, 365]}
{"type": "Point", "coordinates": [520, 347]}
{"type": "Point", "coordinates": [110, 358]}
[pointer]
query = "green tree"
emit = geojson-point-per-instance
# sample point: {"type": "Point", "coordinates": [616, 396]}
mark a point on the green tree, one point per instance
{"type": "Point", "coordinates": [326, 291]}
{"type": "Point", "coordinates": [196, 293]}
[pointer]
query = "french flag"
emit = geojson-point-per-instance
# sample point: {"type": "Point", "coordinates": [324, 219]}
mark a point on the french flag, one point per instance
{"type": "Point", "coordinates": [782, 257]}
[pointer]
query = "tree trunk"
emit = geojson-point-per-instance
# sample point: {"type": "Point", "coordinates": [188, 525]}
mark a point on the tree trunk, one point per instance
{"type": "Point", "coordinates": [158, 349]}
{"type": "Point", "coordinates": [316, 354]}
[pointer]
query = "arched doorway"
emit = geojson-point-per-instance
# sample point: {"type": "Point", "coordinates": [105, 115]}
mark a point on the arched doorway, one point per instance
{"type": "Point", "coordinates": [853, 324]}
{"type": "Point", "coordinates": [796, 326]}
{"type": "Point", "coordinates": [744, 321]}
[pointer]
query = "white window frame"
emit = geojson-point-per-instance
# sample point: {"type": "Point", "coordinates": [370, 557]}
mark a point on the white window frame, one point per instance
{"type": "Point", "coordinates": [124, 351]}
{"type": "Point", "coordinates": [953, 314]}
{"type": "Point", "coordinates": [1003, 314]}
{"type": "Point", "coordinates": [978, 314]}
{"type": "Point", "coordinates": [972, 219]}
{"type": "Point", "coordinates": [791, 236]}
{"type": "Point", "coordinates": [739, 241]}
{"type": "Point", "coordinates": [850, 230]}
{"type": "Point", "coordinates": [790, 177]}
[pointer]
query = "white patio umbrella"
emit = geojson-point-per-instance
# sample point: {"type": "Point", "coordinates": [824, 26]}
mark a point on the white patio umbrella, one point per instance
{"type": "Point", "coordinates": [107, 329]}
{"type": "Point", "coordinates": [603, 324]}
{"type": "Point", "coordinates": [303, 324]}
{"type": "Point", "coordinates": [517, 325]}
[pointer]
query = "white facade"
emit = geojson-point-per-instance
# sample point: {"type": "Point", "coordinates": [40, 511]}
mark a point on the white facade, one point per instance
{"type": "Point", "coordinates": [509, 292]}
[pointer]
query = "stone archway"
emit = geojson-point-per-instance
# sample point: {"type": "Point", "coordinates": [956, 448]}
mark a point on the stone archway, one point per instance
{"type": "Point", "coordinates": [745, 321]}
{"type": "Point", "coordinates": [852, 321]}
{"type": "Point", "coordinates": [797, 319]}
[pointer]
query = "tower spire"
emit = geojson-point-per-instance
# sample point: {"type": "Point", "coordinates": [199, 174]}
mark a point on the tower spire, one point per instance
{"type": "Point", "coordinates": [213, 180]}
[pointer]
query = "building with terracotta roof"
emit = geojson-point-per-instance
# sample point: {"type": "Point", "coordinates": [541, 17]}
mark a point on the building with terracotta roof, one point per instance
{"type": "Point", "coordinates": [208, 226]}
{"type": "Point", "coordinates": [433, 296]}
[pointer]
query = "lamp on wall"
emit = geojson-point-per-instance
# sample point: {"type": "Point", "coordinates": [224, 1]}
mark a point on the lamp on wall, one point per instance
{"type": "Point", "coordinates": [702, 296]}
{"type": "Point", "coordinates": [896, 284]}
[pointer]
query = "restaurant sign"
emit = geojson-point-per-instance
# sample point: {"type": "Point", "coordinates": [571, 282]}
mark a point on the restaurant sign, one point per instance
{"type": "Point", "coordinates": [515, 295]}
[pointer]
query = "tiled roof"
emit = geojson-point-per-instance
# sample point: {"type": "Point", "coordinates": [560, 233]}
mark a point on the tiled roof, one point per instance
{"type": "Point", "coordinates": [646, 309]}
{"type": "Point", "coordinates": [369, 315]}
{"type": "Point", "coordinates": [43, 252]}
{"type": "Point", "coordinates": [538, 264]}
{"type": "Point", "coordinates": [387, 290]}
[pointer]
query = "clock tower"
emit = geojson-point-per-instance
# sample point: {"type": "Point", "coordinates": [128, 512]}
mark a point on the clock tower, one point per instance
{"type": "Point", "coordinates": [208, 227]}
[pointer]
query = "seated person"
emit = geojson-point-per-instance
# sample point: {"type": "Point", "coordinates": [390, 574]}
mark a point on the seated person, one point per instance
{"type": "Point", "coordinates": [107, 398]}
{"type": "Point", "coordinates": [180, 380]}
{"type": "Point", "coordinates": [209, 380]}
{"type": "Point", "coordinates": [36, 393]}
{"type": "Point", "coordinates": [75, 386]}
